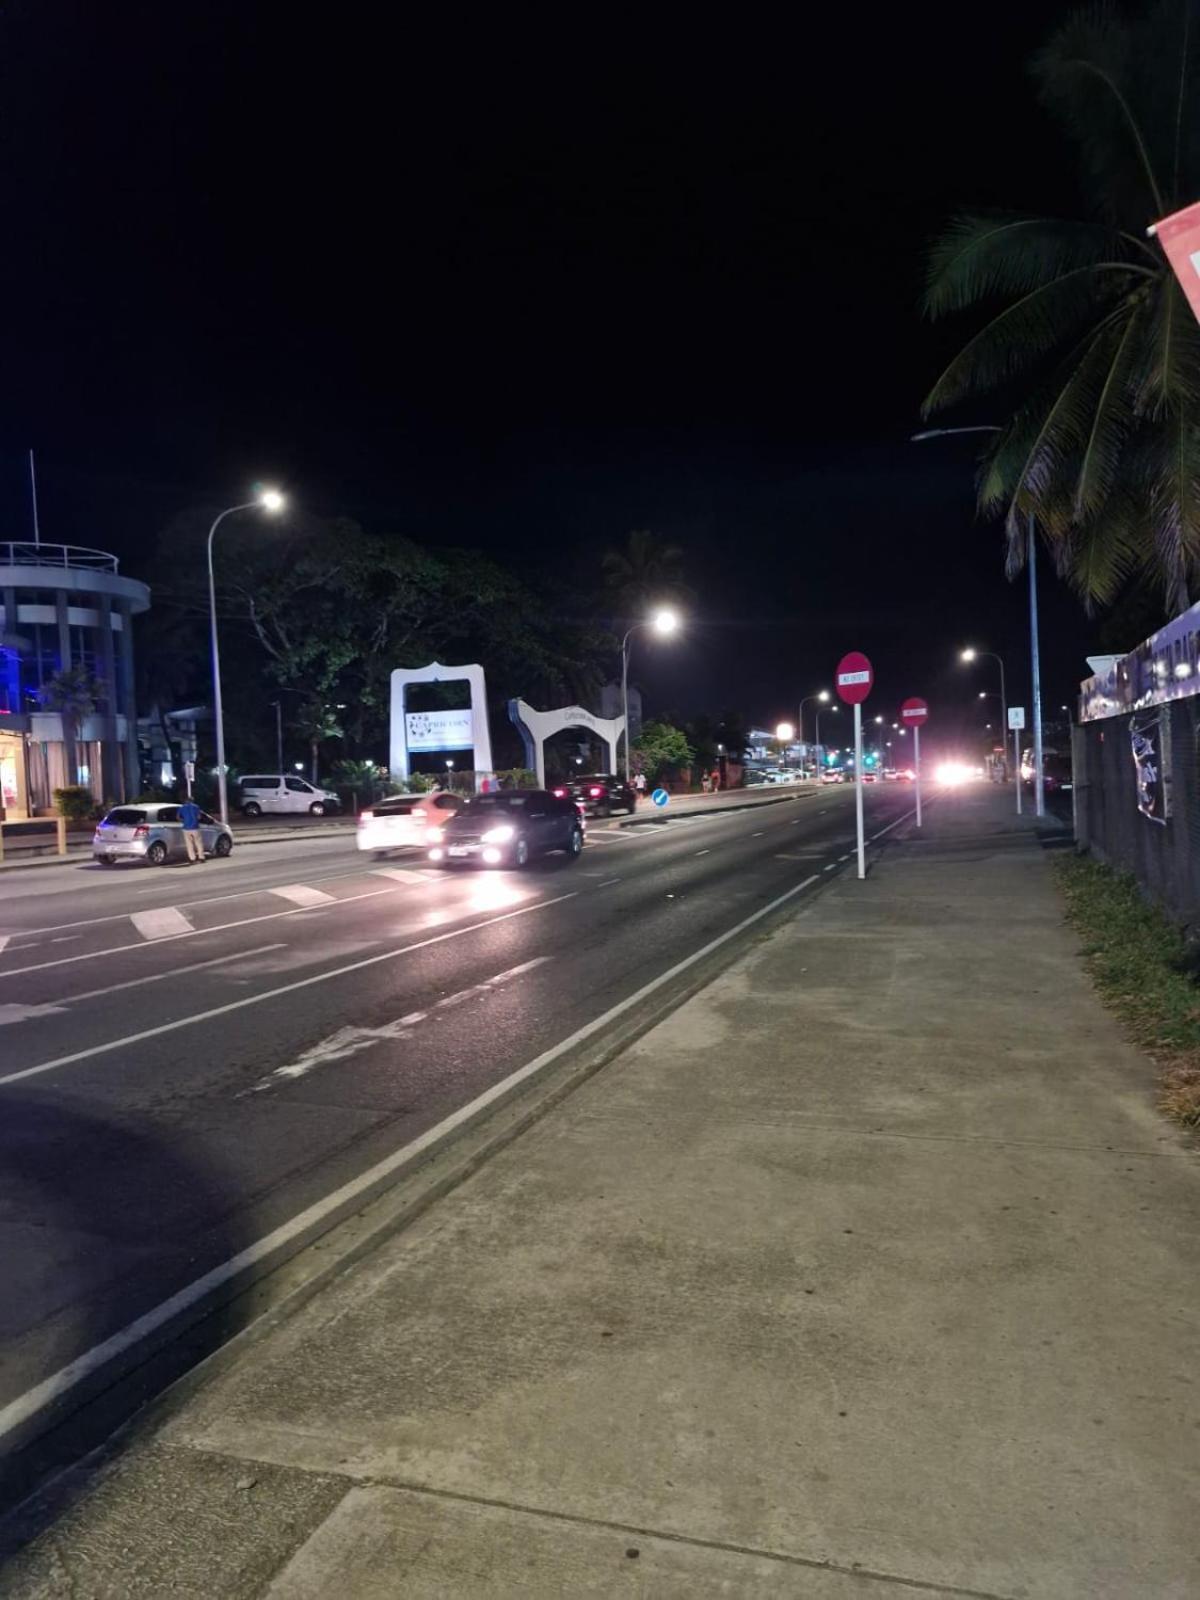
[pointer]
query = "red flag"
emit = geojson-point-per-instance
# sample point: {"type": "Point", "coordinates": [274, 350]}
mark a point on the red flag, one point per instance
{"type": "Point", "coordinates": [1179, 236]}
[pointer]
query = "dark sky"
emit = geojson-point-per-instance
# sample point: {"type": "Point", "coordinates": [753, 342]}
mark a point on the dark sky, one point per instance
{"type": "Point", "coordinates": [527, 283]}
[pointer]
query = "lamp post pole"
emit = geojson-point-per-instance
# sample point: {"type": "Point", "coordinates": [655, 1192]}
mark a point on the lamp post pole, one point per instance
{"type": "Point", "coordinates": [625, 689]}
{"type": "Point", "coordinates": [818, 699]}
{"type": "Point", "coordinates": [268, 500]}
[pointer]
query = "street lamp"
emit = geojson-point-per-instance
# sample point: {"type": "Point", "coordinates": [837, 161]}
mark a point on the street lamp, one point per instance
{"type": "Point", "coordinates": [1035, 657]}
{"type": "Point", "coordinates": [971, 654]}
{"type": "Point", "coordinates": [818, 722]}
{"type": "Point", "coordinates": [820, 698]}
{"type": "Point", "coordinates": [269, 500]}
{"type": "Point", "coordinates": [785, 732]}
{"type": "Point", "coordinates": [664, 622]}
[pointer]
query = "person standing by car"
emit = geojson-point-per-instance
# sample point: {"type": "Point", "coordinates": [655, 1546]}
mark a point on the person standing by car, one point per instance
{"type": "Point", "coordinates": [189, 816]}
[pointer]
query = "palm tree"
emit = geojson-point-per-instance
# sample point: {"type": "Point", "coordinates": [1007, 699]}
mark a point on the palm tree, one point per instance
{"type": "Point", "coordinates": [1095, 356]}
{"type": "Point", "coordinates": [73, 693]}
{"type": "Point", "coordinates": [646, 572]}
{"type": "Point", "coordinates": [315, 722]}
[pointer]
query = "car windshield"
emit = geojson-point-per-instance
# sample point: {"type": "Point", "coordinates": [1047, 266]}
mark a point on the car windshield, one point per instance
{"type": "Point", "coordinates": [125, 817]}
{"type": "Point", "coordinates": [597, 777]}
{"type": "Point", "coordinates": [395, 808]}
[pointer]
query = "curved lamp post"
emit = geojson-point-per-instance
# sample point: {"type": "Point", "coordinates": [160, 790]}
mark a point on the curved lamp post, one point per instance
{"type": "Point", "coordinates": [664, 622]}
{"type": "Point", "coordinates": [819, 699]}
{"type": "Point", "coordinates": [270, 500]}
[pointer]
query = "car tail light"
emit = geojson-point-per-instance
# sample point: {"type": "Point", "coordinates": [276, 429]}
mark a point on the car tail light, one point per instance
{"type": "Point", "coordinates": [142, 831]}
{"type": "Point", "coordinates": [365, 816]}
{"type": "Point", "coordinates": [595, 791]}
{"type": "Point", "coordinates": [418, 811]}
{"type": "Point", "coordinates": [559, 794]}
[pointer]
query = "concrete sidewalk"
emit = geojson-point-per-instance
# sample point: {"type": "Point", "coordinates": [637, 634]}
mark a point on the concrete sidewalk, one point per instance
{"type": "Point", "coordinates": [872, 1271]}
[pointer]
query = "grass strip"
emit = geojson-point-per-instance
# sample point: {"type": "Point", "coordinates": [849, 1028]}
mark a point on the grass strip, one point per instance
{"type": "Point", "coordinates": [1145, 972]}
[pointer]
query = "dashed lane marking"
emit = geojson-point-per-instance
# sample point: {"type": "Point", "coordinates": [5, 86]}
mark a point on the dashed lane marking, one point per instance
{"type": "Point", "coordinates": [301, 894]}
{"type": "Point", "coordinates": [12, 1013]}
{"type": "Point", "coordinates": [273, 994]}
{"type": "Point", "coordinates": [608, 883]}
{"type": "Point", "coordinates": [165, 923]}
{"type": "Point", "coordinates": [702, 852]}
{"type": "Point", "coordinates": [404, 874]}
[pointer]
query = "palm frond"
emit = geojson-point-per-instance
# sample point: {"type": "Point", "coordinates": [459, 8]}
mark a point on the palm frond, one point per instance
{"type": "Point", "coordinates": [1169, 375]}
{"type": "Point", "coordinates": [1174, 506]}
{"type": "Point", "coordinates": [1114, 415]}
{"type": "Point", "coordinates": [977, 257]}
{"type": "Point", "coordinates": [1024, 334]}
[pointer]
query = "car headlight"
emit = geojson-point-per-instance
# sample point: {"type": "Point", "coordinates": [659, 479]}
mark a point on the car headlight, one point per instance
{"type": "Point", "coordinates": [435, 835]}
{"type": "Point", "coordinates": [501, 835]}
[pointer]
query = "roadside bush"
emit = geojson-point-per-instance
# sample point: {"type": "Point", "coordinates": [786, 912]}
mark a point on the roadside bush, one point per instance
{"type": "Point", "coordinates": [75, 803]}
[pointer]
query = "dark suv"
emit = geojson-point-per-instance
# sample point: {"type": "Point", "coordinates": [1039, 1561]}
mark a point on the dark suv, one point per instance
{"type": "Point", "coordinates": [507, 829]}
{"type": "Point", "coordinates": [599, 792]}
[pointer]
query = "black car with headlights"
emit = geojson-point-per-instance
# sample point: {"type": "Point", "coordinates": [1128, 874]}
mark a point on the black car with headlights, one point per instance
{"type": "Point", "coordinates": [599, 792]}
{"type": "Point", "coordinates": [507, 829]}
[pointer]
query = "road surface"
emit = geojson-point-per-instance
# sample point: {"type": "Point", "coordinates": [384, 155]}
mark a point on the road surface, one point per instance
{"type": "Point", "coordinates": [190, 1056]}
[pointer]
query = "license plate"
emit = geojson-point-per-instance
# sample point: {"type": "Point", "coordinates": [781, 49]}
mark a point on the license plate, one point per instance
{"type": "Point", "coordinates": [459, 850]}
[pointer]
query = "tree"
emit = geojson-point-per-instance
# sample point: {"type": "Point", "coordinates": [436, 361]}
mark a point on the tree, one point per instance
{"type": "Point", "coordinates": [1094, 356]}
{"type": "Point", "coordinates": [315, 722]}
{"type": "Point", "coordinates": [647, 572]}
{"type": "Point", "coordinates": [662, 750]}
{"type": "Point", "coordinates": [73, 693]}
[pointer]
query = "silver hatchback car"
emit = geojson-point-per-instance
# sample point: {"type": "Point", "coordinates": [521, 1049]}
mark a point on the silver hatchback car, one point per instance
{"type": "Point", "coordinates": [152, 832]}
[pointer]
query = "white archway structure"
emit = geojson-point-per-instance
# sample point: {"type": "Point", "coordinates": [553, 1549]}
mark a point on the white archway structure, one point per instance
{"type": "Point", "coordinates": [475, 732]}
{"type": "Point", "coordinates": [535, 727]}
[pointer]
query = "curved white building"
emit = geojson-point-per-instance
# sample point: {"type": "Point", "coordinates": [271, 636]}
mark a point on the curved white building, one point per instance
{"type": "Point", "coordinates": [65, 606]}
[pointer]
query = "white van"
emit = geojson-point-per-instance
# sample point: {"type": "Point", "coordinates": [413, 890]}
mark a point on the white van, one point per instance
{"type": "Point", "coordinates": [275, 793]}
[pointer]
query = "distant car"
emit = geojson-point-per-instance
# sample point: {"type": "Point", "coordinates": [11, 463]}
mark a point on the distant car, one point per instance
{"type": "Point", "coordinates": [599, 792]}
{"type": "Point", "coordinates": [833, 775]}
{"type": "Point", "coordinates": [1057, 773]}
{"type": "Point", "coordinates": [402, 821]}
{"type": "Point", "coordinates": [890, 775]}
{"type": "Point", "coordinates": [283, 792]}
{"type": "Point", "coordinates": [153, 833]}
{"type": "Point", "coordinates": [870, 775]}
{"type": "Point", "coordinates": [508, 829]}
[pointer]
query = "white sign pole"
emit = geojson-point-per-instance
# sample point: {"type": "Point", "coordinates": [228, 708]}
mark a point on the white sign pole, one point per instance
{"type": "Point", "coordinates": [1017, 764]}
{"type": "Point", "coordinates": [917, 769]}
{"type": "Point", "coordinates": [858, 788]}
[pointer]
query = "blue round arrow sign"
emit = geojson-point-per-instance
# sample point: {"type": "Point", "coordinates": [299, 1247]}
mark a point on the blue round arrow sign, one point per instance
{"type": "Point", "coordinates": [660, 797]}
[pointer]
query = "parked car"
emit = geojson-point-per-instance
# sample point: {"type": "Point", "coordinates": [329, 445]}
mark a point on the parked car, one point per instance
{"type": "Point", "coordinates": [402, 821]}
{"type": "Point", "coordinates": [833, 775]}
{"type": "Point", "coordinates": [1057, 772]}
{"type": "Point", "coordinates": [508, 829]}
{"type": "Point", "coordinates": [153, 833]}
{"type": "Point", "coordinates": [599, 792]}
{"type": "Point", "coordinates": [280, 793]}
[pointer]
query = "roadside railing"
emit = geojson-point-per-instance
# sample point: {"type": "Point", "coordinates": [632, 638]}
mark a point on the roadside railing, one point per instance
{"type": "Point", "coordinates": [21, 554]}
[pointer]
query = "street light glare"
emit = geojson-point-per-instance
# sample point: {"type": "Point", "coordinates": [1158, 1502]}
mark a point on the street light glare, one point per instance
{"type": "Point", "coordinates": [665, 620]}
{"type": "Point", "coordinates": [271, 500]}
{"type": "Point", "coordinates": [968, 654]}
{"type": "Point", "coordinates": [785, 732]}
{"type": "Point", "coordinates": [823, 696]}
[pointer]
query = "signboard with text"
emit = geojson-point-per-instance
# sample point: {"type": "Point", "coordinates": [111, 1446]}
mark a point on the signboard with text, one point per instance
{"type": "Point", "coordinates": [1016, 718]}
{"type": "Point", "coordinates": [854, 678]}
{"type": "Point", "coordinates": [1179, 235]}
{"type": "Point", "coordinates": [439, 730]}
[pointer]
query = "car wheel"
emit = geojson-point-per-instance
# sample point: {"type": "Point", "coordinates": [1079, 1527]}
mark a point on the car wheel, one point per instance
{"type": "Point", "coordinates": [252, 809]}
{"type": "Point", "coordinates": [521, 853]}
{"type": "Point", "coordinates": [575, 842]}
{"type": "Point", "coordinates": [223, 845]}
{"type": "Point", "coordinates": [157, 853]}
{"type": "Point", "coordinates": [107, 861]}
{"type": "Point", "coordinates": [317, 809]}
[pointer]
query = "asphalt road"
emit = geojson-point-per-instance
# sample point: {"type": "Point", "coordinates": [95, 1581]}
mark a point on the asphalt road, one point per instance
{"type": "Point", "coordinates": [190, 1056]}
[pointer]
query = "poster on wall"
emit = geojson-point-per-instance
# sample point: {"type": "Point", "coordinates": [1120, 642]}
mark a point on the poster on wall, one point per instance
{"type": "Point", "coordinates": [1150, 741]}
{"type": "Point", "coordinates": [439, 730]}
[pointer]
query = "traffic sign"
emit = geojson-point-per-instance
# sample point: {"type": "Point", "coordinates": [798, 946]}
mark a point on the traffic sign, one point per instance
{"type": "Point", "coordinates": [914, 713]}
{"type": "Point", "coordinates": [855, 678]}
{"type": "Point", "coordinates": [1016, 717]}
{"type": "Point", "coordinates": [660, 797]}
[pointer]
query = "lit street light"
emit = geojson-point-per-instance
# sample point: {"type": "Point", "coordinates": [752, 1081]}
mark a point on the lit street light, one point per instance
{"type": "Point", "coordinates": [785, 733]}
{"type": "Point", "coordinates": [272, 501]}
{"type": "Point", "coordinates": [663, 622]}
{"type": "Point", "coordinates": [819, 699]}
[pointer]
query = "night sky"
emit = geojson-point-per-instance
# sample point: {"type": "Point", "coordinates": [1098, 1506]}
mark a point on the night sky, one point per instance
{"type": "Point", "coordinates": [526, 284]}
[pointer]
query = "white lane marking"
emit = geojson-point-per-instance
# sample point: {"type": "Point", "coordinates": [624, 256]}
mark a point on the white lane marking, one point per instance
{"type": "Point", "coordinates": [757, 835]}
{"type": "Point", "coordinates": [702, 852]}
{"type": "Point", "coordinates": [164, 923]}
{"type": "Point", "coordinates": [830, 868]}
{"type": "Point", "coordinates": [352, 1041]}
{"type": "Point", "coordinates": [896, 824]}
{"type": "Point", "coordinates": [13, 1012]}
{"type": "Point", "coordinates": [61, 1382]}
{"type": "Point", "coordinates": [221, 927]}
{"type": "Point", "coordinates": [65, 938]}
{"type": "Point", "coordinates": [608, 883]}
{"type": "Point", "coordinates": [844, 858]}
{"type": "Point", "coordinates": [302, 894]}
{"type": "Point", "coordinates": [401, 874]}
{"type": "Point", "coordinates": [272, 994]}
{"type": "Point", "coordinates": [4, 938]}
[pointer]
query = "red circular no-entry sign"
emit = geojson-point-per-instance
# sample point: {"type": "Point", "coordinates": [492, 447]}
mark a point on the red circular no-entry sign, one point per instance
{"type": "Point", "coordinates": [913, 713]}
{"type": "Point", "coordinates": [854, 678]}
